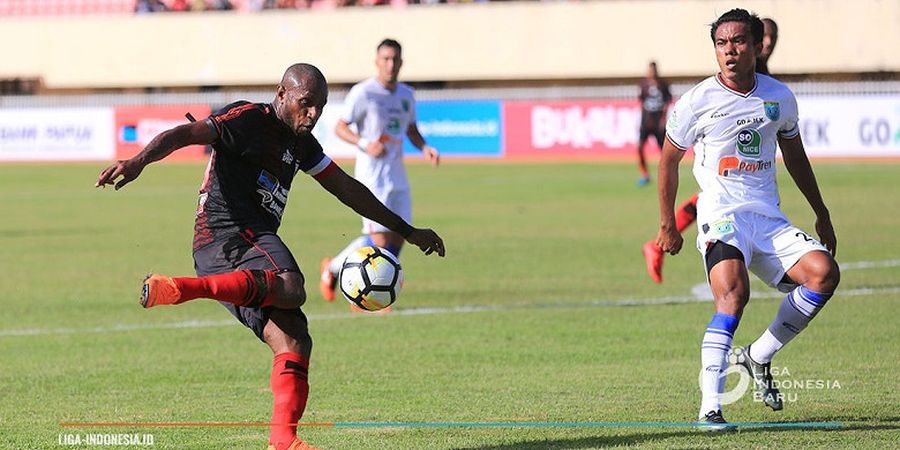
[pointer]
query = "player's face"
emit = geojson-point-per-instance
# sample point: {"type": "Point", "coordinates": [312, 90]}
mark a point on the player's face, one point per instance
{"type": "Point", "coordinates": [735, 50]}
{"type": "Point", "coordinates": [388, 62]}
{"type": "Point", "coordinates": [768, 42]}
{"type": "Point", "coordinates": [302, 105]}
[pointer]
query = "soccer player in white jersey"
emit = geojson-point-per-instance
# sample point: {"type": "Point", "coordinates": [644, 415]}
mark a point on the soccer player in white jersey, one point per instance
{"type": "Point", "coordinates": [734, 120]}
{"type": "Point", "coordinates": [383, 111]}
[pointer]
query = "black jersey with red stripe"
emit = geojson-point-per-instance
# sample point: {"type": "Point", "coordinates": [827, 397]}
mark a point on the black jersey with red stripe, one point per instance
{"type": "Point", "coordinates": [250, 171]}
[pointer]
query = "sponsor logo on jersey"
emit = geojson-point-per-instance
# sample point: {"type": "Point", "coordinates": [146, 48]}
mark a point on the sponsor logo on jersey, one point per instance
{"type": "Point", "coordinates": [748, 142]}
{"type": "Point", "coordinates": [393, 126]}
{"type": "Point", "coordinates": [405, 104]}
{"type": "Point", "coordinates": [719, 115]}
{"type": "Point", "coordinates": [733, 166]}
{"type": "Point", "coordinates": [274, 195]}
{"type": "Point", "coordinates": [773, 110]}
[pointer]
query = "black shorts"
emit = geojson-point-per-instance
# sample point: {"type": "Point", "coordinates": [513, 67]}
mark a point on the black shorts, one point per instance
{"type": "Point", "coordinates": [659, 134]}
{"type": "Point", "coordinates": [246, 251]}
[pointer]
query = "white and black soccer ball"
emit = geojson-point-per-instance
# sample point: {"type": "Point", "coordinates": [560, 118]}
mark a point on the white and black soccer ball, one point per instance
{"type": "Point", "coordinates": [371, 278]}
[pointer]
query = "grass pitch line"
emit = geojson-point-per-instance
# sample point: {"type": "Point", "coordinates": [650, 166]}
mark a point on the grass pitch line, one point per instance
{"type": "Point", "coordinates": [674, 300]}
{"type": "Point", "coordinates": [445, 425]}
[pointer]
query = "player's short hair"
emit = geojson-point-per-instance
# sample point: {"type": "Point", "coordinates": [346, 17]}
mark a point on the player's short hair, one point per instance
{"type": "Point", "coordinates": [390, 43]}
{"type": "Point", "coordinates": [739, 15]}
{"type": "Point", "coordinates": [772, 24]}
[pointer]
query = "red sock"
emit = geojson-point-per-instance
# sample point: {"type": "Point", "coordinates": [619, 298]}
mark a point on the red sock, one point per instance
{"type": "Point", "coordinates": [290, 389]}
{"type": "Point", "coordinates": [251, 288]}
{"type": "Point", "coordinates": [686, 214]}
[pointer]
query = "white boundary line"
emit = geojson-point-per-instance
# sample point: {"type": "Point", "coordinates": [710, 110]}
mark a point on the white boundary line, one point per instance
{"type": "Point", "coordinates": [419, 312]}
{"type": "Point", "coordinates": [696, 297]}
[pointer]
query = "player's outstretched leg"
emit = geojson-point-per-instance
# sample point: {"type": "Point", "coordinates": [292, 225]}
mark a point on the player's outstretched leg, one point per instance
{"type": "Point", "coordinates": [249, 288]}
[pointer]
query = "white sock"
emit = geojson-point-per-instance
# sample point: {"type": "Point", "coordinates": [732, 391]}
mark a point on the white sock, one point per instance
{"type": "Point", "coordinates": [338, 261]}
{"type": "Point", "coordinates": [794, 314]}
{"type": "Point", "coordinates": [714, 360]}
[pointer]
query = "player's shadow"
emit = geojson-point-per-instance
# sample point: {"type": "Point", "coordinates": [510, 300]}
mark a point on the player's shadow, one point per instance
{"type": "Point", "coordinates": [889, 423]}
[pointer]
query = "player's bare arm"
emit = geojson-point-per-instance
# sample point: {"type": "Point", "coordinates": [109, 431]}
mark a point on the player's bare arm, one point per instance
{"type": "Point", "coordinates": [161, 146]}
{"type": "Point", "coordinates": [373, 148]}
{"type": "Point", "coordinates": [360, 199]}
{"type": "Point", "coordinates": [668, 238]}
{"type": "Point", "coordinates": [412, 132]}
{"type": "Point", "coordinates": [797, 164]}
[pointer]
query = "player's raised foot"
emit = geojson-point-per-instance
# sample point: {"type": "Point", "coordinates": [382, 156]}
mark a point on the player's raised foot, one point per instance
{"type": "Point", "coordinates": [296, 445]}
{"type": "Point", "coordinates": [762, 377]}
{"type": "Point", "coordinates": [714, 422]}
{"type": "Point", "coordinates": [327, 281]}
{"type": "Point", "coordinates": [653, 256]}
{"type": "Point", "coordinates": [159, 290]}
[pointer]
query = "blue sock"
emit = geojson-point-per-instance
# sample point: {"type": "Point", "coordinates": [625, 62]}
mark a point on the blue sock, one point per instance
{"type": "Point", "coordinates": [714, 360]}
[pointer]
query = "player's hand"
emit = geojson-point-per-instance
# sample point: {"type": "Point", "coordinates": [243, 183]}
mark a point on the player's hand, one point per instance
{"type": "Point", "coordinates": [427, 240]}
{"type": "Point", "coordinates": [669, 240]}
{"type": "Point", "coordinates": [375, 149]}
{"type": "Point", "coordinates": [127, 169]}
{"type": "Point", "coordinates": [826, 234]}
{"type": "Point", "coordinates": [432, 154]}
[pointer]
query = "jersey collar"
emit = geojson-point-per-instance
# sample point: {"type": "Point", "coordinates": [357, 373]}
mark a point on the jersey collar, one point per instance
{"type": "Point", "coordinates": [738, 93]}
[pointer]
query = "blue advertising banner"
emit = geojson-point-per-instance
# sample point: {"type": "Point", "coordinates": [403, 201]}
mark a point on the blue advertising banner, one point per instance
{"type": "Point", "coordinates": [460, 128]}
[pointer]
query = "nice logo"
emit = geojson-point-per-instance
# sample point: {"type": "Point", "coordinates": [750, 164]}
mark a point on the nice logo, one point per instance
{"type": "Point", "coordinates": [748, 142]}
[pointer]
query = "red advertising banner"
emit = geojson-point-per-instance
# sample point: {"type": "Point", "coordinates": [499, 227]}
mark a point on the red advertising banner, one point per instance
{"type": "Point", "coordinates": [136, 126]}
{"type": "Point", "coordinates": [571, 129]}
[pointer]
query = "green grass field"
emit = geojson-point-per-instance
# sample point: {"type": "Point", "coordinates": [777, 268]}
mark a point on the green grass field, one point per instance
{"type": "Point", "coordinates": [543, 252]}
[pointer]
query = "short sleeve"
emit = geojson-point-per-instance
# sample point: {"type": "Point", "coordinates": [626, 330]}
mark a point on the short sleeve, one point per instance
{"type": "Point", "coordinates": [681, 128]}
{"type": "Point", "coordinates": [315, 162]}
{"type": "Point", "coordinates": [790, 127]}
{"type": "Point", "coordinates": [353, 108]}
{"type": "Point", "coordinates": [412, 108]}
{"type": "Point", "coordinates": [236, 124]}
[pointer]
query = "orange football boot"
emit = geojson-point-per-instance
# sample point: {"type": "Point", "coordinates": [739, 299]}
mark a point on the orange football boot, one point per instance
{"type": "Point", "coordinates": [159, 290]}
{"type": "Point", "coordinates": [296, 445]}
{"type": "Point", "coordinates": [653, 256]}
{"type": "Point", "coordinates": [327, 280]}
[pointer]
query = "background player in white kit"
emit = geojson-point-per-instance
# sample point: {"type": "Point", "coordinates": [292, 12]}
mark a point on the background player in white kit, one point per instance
{"type": "Point", "coordinates": [734, 120]}
{"type": "Point", "coordinates": [383, 111]}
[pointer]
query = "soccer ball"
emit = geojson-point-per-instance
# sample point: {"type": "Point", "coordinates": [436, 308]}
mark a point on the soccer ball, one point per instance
{"type": "Point", "coordinates": [371, 278]}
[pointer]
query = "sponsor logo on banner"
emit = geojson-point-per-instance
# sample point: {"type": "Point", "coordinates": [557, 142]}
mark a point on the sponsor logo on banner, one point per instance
{"type": "Point", "coordinates": [571, 128]}
{"type": "Point", "coordinates": [136, 126]}
{"type": "Point", "coordinates": [460, 128]}
{"type": "Point", "coordinates": [849, 126]}
{"type": "Point", "coordinates": [56, 134]}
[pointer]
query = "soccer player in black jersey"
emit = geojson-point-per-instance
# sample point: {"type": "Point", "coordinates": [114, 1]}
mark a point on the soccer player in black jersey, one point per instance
{"type": "Point", "coordinates": [239, 258]}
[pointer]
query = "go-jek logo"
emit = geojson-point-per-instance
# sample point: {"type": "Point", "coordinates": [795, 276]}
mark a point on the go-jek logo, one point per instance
{"type": "Point", "coordinates": [732, 166]}
{"type": "Point", "coordinates": [748, 142]}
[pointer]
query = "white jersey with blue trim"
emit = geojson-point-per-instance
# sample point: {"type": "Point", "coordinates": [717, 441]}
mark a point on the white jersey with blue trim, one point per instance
{"type": "Point", "coordinates": [385, 115]}
{"type": "Point", "coordinates": [735, 137]}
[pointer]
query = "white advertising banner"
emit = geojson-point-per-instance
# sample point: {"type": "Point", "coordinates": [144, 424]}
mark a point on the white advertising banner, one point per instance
{"type": "Point", "coordinates": [850, 126]}
{"type": "Point", "coordinates": [57, 134]}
